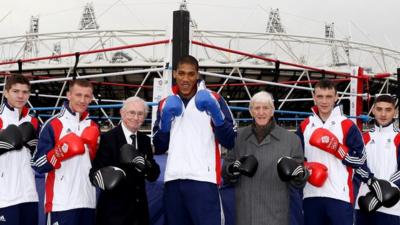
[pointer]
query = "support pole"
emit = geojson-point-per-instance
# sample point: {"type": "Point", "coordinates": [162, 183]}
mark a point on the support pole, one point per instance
{"type": "Point", "coordinates": [180, 39]}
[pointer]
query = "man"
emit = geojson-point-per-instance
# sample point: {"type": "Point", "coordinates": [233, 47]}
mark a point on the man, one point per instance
{"type": "Point", "coordinates": [125, 147]}
{"type": "Point", "coordinates": [382, 147]}
{"type": "Point", "coordinates": [261, 198]}
{"type": "Point", "coordinates": [18, 196]}
{"type": "Point", "coordinates": [67, 144]}
{"type": "Point", "coordinates": [191, 123]}
{"type": "Point", "coordinates": [330, 138]}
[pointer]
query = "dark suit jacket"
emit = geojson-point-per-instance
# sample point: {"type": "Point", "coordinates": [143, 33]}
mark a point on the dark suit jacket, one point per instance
{"type": "Point", "coordinates": [127, 203]}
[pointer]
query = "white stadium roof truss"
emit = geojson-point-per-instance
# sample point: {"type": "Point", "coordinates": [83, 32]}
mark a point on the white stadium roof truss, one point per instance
{"type": "Point", "coordinates": [311, 51]}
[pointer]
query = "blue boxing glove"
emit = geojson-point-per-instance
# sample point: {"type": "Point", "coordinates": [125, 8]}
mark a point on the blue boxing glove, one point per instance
{"type": "Point", "coordinates": [171, 108]}
{"type": "Point", "coordinates": [205, 101]}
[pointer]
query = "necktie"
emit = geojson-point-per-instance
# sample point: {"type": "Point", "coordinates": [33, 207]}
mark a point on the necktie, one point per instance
{"type": "Point", "coordinates": [133, 137]}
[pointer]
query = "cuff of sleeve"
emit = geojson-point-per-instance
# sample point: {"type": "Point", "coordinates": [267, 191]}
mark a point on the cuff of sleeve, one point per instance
{"type": "Point", "coordinates": [53, 160]}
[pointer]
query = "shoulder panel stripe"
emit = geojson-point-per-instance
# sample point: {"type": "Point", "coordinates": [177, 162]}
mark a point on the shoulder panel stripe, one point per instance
{"type": "Point", "coordinates": [57, 127]}
{"type": "Point", "coordinates": [35, 123]}
{"type": "Point", "coordinates": [346, 125]}
{"type": "Point", "coordinates": [304, 124]}
{"type": "Point", "coordinates": [366, 137]}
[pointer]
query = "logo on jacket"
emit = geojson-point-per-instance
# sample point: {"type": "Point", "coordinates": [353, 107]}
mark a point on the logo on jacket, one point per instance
{"type": "Point", "coordinates": [388, 143]}
{"type": "Point", "coordinates": [3, 218]}
{"type": "Point", "coordinates": [64, 147]}
{"type": "Point", "coordinates": [69, 130]}
{"type": "Point", "coordinates": [332, 125]}
{"type": "Point", "coordinates": [325, 139]}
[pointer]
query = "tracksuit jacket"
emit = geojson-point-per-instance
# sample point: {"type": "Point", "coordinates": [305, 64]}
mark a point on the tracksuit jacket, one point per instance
{"type": "Point", "coordinates": [193, 142]}
{"type": "Point", "coordinates": [339, 184]}
{"type": "Point", "coordinates": [383, 159]}
{"type": "Point", "coordinates": [17, 179]}
{"type": "Point", "coordinates": [67, 187]}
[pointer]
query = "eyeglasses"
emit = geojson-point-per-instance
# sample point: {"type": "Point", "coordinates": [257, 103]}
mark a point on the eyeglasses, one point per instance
{"type": "Point", "coordinates": [134, 113]}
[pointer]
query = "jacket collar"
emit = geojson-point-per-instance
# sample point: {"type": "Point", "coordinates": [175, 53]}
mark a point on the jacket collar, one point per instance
{"type": "Point", "coordinates": [384, 129]}
{"type": "Point", "coordinates": [66, 109]}
{"type": "Point", "coordinates": [24, 111]}
{"type": "Point", "coordinates": [336, 111]}
{"type": "Point", "coordinates": [250, 136]}
{"type": "Point", "coordinates": [200, 85]}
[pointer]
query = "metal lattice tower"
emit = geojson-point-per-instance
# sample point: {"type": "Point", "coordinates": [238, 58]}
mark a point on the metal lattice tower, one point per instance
{"type": "Point", "coordinates": [88, 20]}
{"type": "Point", "coordinates": [183, 5]}
{"type": "Point", "coordinates": [30, 48]}
{"type": "Point", "coordinates": [330, 35]}
{"type": "Point", "coordinates": [274, 22]}
{"type": "Point", "coordinates": [347, 49]}
{"type": "Point", "coordinates": [56, 51]}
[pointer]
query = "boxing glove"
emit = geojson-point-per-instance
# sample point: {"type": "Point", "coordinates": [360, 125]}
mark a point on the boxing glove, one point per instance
{"type": "Point", "coordinates": [384, 191]}
{"type": "Point", "coordinates": [369, 203]}
{"type": "Point", "coordinates": [91, 136]}
{"type": "Point", "coordinates": [171, 108]}
{"type": "Point", "coordinates": [67, 147]}
{"type": "Point", "coordinates": [107, 178]}
{"type": "Point", "coordinates": [247, 165]}
{"type": "Point", "coordinates": [29, 137]}
{"type": "Point", "coordinates": [318, 173]}
{"type": "Point", "coordinates": [328, 142]}
{"type": "Point", "coordinates": [10, 139]}
{"type": "Point", "coordinates": [131, 156]}
{"type": "Point", "coordinates": [206, 101]}
{"type": "Point", "coordinates": [291, 170]}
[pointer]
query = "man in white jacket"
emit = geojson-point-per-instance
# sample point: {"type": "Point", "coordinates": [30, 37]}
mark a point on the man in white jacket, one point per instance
{"type": "Point", "coordinates": [383, 159]}
{"type": "Point", "coordinates": [18, 196]}
{"type": "Point", "coordinates": [191, 124]}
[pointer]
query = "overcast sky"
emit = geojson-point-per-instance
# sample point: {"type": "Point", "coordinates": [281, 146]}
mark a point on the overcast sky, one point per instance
{"type": "Point", "coordinates": [368, 21]}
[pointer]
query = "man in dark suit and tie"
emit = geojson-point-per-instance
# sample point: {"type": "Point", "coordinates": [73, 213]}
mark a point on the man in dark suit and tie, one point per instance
{"type": "Point", "coordinates": [123, 162]}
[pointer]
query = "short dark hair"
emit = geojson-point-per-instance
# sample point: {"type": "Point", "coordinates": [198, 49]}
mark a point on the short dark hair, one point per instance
{"type": "Point", "coordinates": [81, 83]}
{"type": "Point", "coordinates": [16, 79]}
{"type": "Point", "coordinates": [325, 84]}
{"type": "Point", "coordinates": [188, 59]}
{"type": "Point", "coordinates": [385, 98]}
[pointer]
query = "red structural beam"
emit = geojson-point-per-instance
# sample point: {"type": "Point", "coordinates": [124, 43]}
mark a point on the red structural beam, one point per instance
{"type": "Point", "coordinates": [379, 75]}
{"type": "Point", "coordinates": [313, 81]}
{"type": "Point", "coordinates": [283, 82]}
{"type": "Point", "coordinates": [88, 52]}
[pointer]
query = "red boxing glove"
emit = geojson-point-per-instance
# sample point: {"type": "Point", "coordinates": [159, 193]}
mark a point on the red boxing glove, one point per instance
{"type": "Point", "coordinates": [318, 173]}
{"type": "Point", "coordinates": [67, 147]}
{"type": "Point", "coordinates": [90, 137]}
{"type": "Point", "coordinates": [327, 141]}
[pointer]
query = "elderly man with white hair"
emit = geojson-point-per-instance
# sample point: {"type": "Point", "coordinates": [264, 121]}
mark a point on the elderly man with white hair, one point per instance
{"type": "Point", "coordinates": [123, 162]}
{"type": "Point", "coordinates": [262, 198]}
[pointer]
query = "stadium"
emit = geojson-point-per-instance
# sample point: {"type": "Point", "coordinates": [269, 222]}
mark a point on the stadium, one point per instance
{"type": "Point", "coordinates": [235, 63]}
{"type": "Point", "coordinates": [123, 63]}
